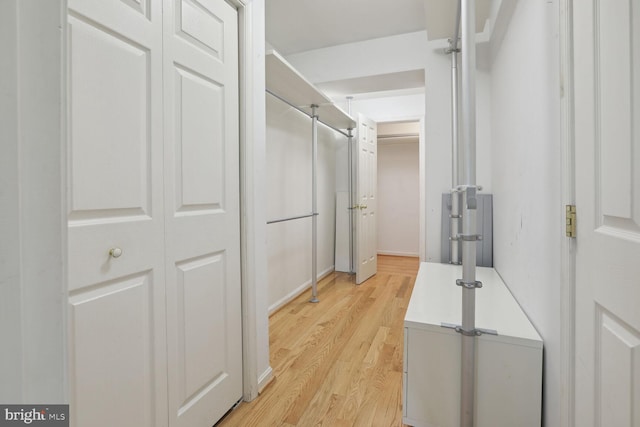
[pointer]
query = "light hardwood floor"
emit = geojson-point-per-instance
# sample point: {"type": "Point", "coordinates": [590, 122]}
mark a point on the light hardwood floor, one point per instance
{"type": "Point", "coordinates": [338, 362]}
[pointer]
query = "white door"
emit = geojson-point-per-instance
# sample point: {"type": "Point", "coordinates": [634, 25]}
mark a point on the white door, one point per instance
{"type": "Point", "coordinates": [154, 274]}
{"type": "Point", "coordinates": [366, 197]}
{"type": "Point", "coordinates": [202, 210]}
{"type": "Point", "coordinates": [117, 334]}
{"type": "Point", "coordinates": [607, 138]}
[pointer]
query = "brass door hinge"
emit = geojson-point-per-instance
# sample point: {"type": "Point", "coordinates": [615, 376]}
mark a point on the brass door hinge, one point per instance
{"type": "Point", "coordinates": [571, 230]}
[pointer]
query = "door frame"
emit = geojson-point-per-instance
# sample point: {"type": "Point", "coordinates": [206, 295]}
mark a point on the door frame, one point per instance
{"type": "Point", "coordinates": [33, 105]}
{"type": "Point", "coordinates": [48, 250]}
{"type": "Point", "coordinates": [568, 249]}
{"type": "Point", "coordinates": [422, 213]}
{"type": "Point", "coordinates": [257, 372]}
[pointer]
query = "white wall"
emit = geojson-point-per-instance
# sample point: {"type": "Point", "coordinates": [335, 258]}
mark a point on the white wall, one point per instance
{"type": "Point", "coordinates": [385, 107]}
{"type": "Point", "coordinates": [289, 194]}
{"type": "Point", "coordinates": [398, 197]}
{"type": "Point", "coordinates": [32, 281]}
{"type": "Point", "coordinates": [526, 176]}
{"type": "Point", "coordinates": [438, 138]}
{"type": "Point", "coordinates": [402, 52]}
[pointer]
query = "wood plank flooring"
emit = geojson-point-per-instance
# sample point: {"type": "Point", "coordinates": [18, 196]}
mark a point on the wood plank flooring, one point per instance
{"type": "Point", "coordinates": [338, 362]}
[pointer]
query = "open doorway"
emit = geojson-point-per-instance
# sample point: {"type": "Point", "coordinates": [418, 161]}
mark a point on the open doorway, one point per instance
{"type": "Point", "coordinates": [399, 188]}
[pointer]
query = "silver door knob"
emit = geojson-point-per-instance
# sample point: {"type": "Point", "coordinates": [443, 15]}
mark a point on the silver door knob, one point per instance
{"type": "Point", "coordinates": [115, 252]}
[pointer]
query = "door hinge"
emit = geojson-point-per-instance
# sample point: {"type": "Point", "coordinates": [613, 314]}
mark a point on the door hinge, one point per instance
{"type": "Point", "coordinates": [571, 230]}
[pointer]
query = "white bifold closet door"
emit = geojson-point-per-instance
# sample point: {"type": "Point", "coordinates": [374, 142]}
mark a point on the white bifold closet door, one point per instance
{"type": "Point", "coordinates": [366, 199]}
{"type": "Point", "coordinates": [153, 213]}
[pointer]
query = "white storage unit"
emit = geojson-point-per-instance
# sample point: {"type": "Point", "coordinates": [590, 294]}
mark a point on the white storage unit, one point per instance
{"type": "Point", "coordinates": [509, 365]}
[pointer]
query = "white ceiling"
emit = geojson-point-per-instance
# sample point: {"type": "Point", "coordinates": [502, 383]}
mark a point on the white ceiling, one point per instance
{"type": "Point", "coordinates": [441, 15]}
{"type": "Point", "coordinates": [294, 26]}
{"type": "Point", "coordinates": [378, 83]}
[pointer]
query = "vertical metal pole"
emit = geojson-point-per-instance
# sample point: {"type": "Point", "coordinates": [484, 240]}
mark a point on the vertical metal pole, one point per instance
{"type": "Point", "coordinates": [350, 207]}
{"type": "Point", "coordinates": [314, 204]}
{"type": "Point", "coordinates": [350, 176]}
{"type": "Point", "coordinates": [469, 91]}
{"type": "Point", "coordinates": [455, 195]}
{"type": "Point", "coordinates": [467, 397]}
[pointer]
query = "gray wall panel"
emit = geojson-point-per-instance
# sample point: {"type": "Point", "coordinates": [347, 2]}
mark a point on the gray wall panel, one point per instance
{"type": "Point", "coordinates": [484, 253]}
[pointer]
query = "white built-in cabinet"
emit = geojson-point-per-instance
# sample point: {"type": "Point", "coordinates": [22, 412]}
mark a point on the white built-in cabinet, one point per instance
{"type": "Point", "coordinates": [509, 364]}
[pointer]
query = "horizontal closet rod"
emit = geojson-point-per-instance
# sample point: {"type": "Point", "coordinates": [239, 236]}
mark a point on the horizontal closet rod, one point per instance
{"type": "Point", "coordinates": [292, 218]}
{"type": "Point", "coordinates": [306, 113]}
{"type": "Point", "coordinates": [398, 136]}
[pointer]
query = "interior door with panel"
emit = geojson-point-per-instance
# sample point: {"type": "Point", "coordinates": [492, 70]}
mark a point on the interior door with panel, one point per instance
{"type": "Point", "coordinates": [366, 197]}
{"type": "Point", "coordinates": [116, 280]}
{"type": "Point", "coordinates": [202, 210]}
{"type": "Point", "coordinates": [607, 143]}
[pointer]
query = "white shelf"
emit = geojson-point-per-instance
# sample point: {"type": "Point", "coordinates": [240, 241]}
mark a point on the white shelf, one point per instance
{"type": "Point", "coordinates": [287, 83]}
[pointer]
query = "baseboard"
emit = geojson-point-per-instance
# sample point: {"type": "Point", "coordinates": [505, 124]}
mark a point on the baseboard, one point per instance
{"type": "Point", "coordinates": [297, 291]}
{"type": "Point", "coordinates": [394, 253]}
{"type": "Point", "coordinates": [265, 379]}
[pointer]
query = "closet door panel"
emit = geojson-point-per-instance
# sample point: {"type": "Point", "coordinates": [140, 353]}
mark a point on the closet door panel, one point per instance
{"type": "Point", "coordinates": [114, 335]}
{"type": "Point", "coordinates": [202, 209]}
{"type": "Point", "coordinates": [116, 283]}
{"type": "Point", "coordinates": [199, 167]}
{"type": "Point", "coordinates": [109, 164]}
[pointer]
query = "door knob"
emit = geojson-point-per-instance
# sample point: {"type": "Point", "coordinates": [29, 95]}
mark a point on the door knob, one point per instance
{"type": "Point", "coordinates": [115, 252]}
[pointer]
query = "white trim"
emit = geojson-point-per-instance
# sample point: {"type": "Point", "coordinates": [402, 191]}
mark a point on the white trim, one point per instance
{"type": "Point", "coordinates": [422, 158]}
{"type": "Point", "coordinates": [249, 361]}
{"type": "Point", "coordinates": [64, 197]}
{"type": "Point", "coordinates": [298, 291]}
{"type": "Point", "coordinates": [32, 204]}
{"type": "Point", "coordinates": [255, 347]}
{"type": "Point", "coordinates": [265, 379]}
{"type": "Point", "coordinates": [394, 253]}
{"type": "Point", "coordinates": [568, 261]}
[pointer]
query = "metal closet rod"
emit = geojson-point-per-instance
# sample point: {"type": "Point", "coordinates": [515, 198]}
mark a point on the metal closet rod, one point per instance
{"type": "Point", "coordinates": [307, 114]}
{"type": "Point", "coordinates": [398, 136]}
{"type": "Point", "coordinates": [291, 218]}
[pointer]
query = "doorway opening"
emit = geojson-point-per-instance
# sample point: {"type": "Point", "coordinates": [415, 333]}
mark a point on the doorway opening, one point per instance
{"type": "Point", "coordinates": [399, 188]}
